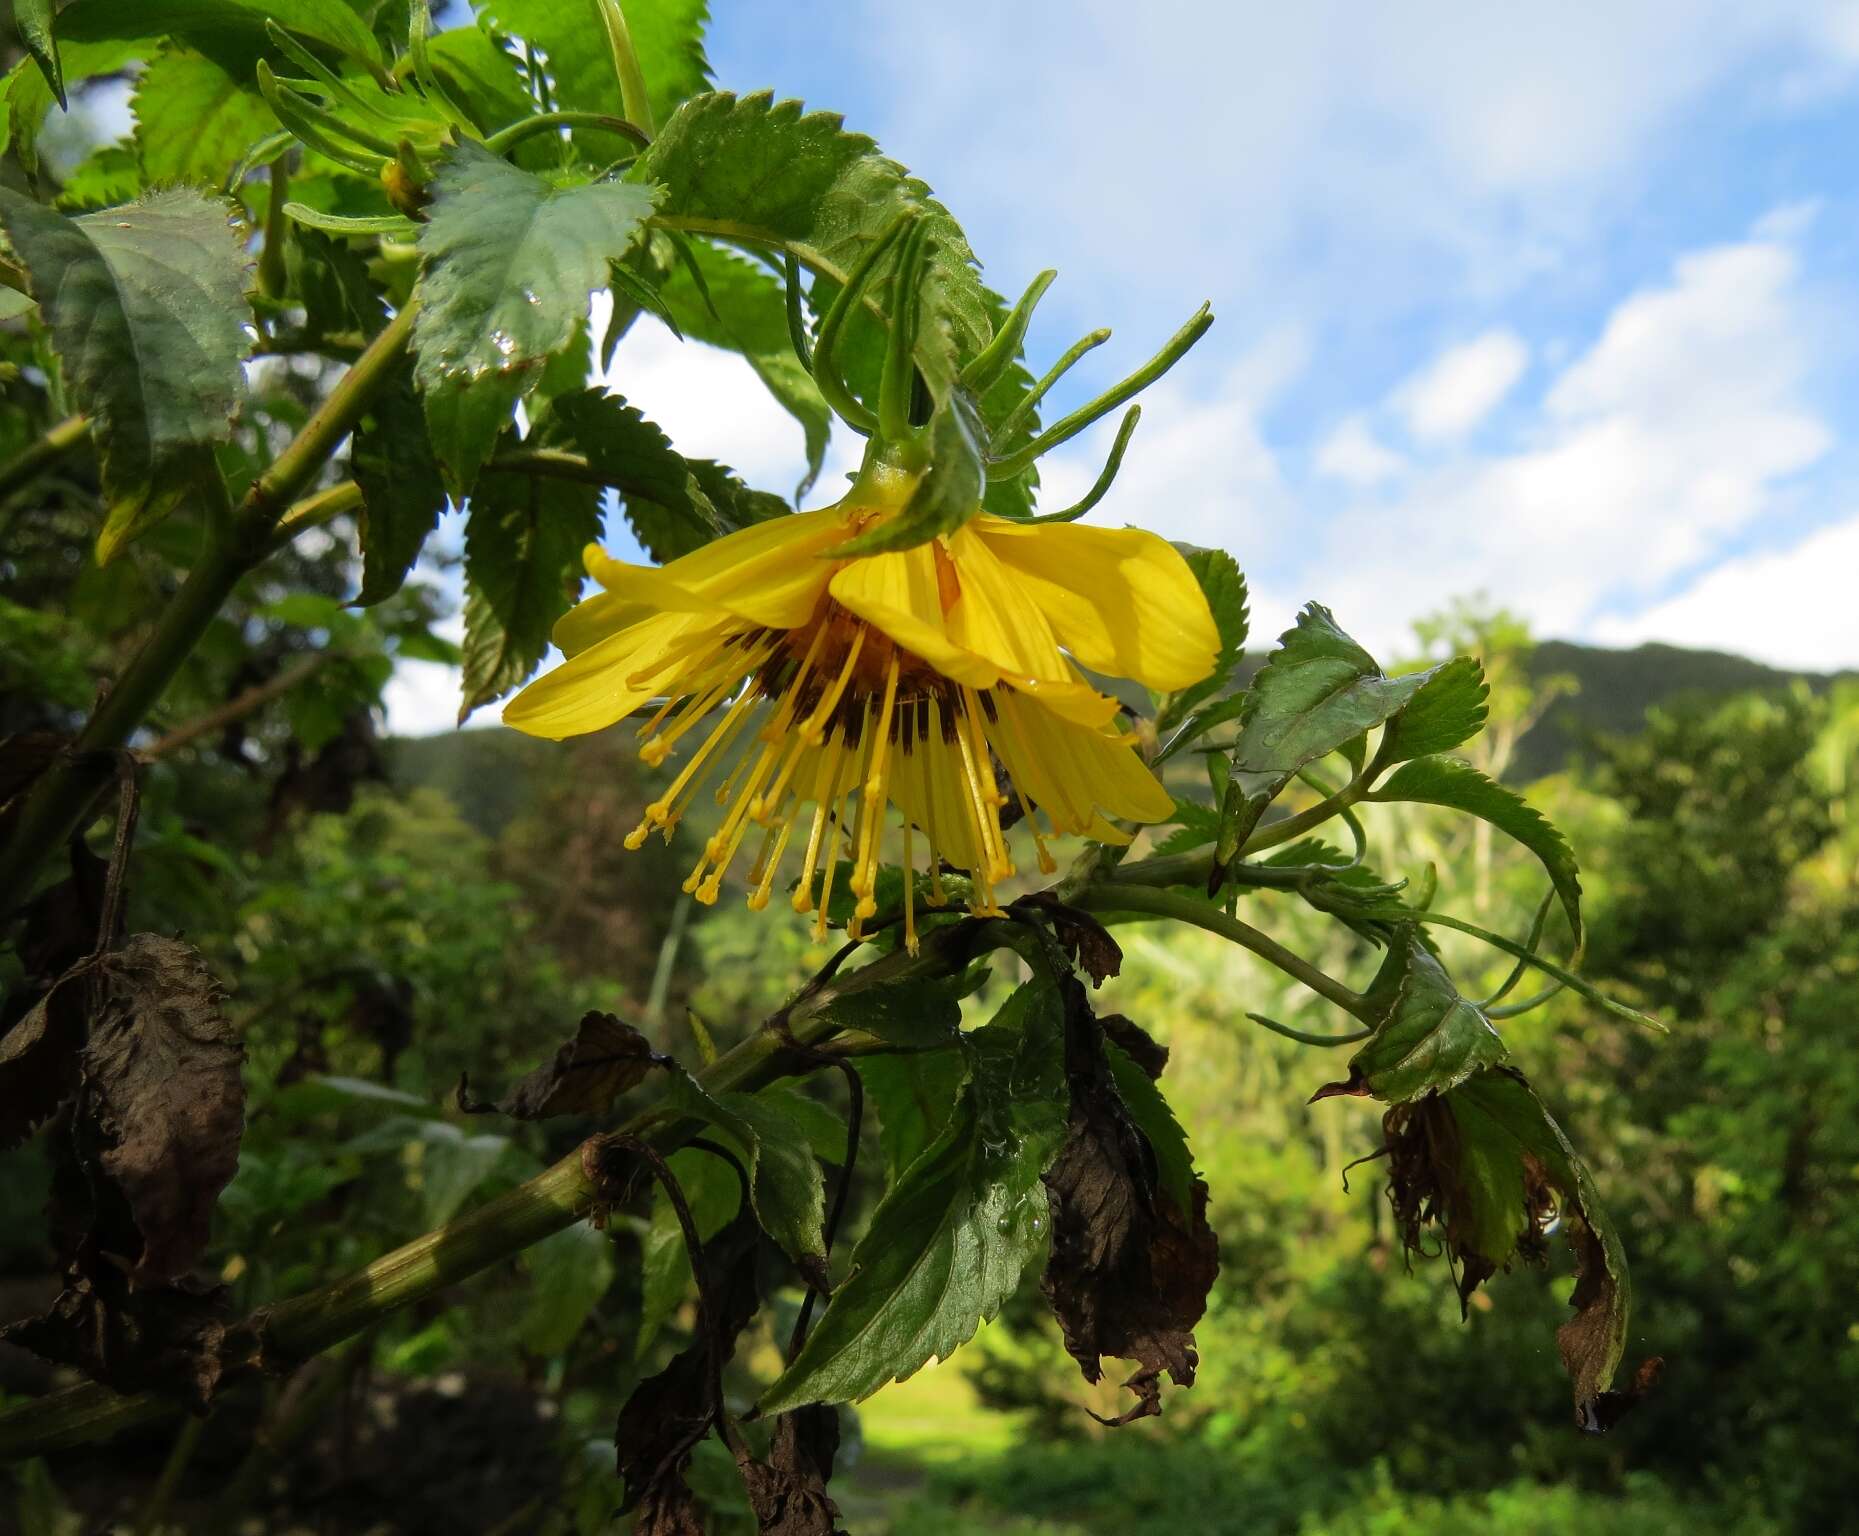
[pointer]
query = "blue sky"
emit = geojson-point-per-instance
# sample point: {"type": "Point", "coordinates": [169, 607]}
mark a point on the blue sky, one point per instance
{"type": "Point", "coordinates": [1555, 304]}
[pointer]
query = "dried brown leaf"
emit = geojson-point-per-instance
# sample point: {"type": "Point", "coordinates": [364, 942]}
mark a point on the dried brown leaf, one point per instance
{"type": "Point", "coordinates": [605, 1059]}
{"type": "Point", "coordinates": [788, 1491]}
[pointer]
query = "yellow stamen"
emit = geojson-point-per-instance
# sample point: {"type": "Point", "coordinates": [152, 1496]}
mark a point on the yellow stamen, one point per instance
{"type": "Point", "coordinates": [910, 891]}
{"type": "Point", "coordinates": [814, 729]}
{"type": "Point", "coordinates": [758, 898]}
{"type": "Point", "coordinates": [979, 780]}
{"type": "Point", "coordinates": [659, 811]}
{"type": "Point", "coordinates": [825, 788]}
{"type": "Point", "coordinates": [865, 873]}
{"type": "Point", "coordinates": [834, 838]}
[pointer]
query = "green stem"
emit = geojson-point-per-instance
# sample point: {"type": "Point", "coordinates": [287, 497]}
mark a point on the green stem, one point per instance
{"type": "Point", "coordinates": [502, 141]}
{"type": "Point", "coordinates": [313, 511]}
{"type": "Point", "coordinates": [1115, 896]}
{"type": "Point", "coordinates": [1548, 967]}
{"type": "Point", "coordinates": [993, 359]}
{"type": "Point", "coordinates": [56, 806]}
{"type": "Point", "coordinates": [1304, 1037]}
{"type": "Point", "coordinates": [635, 100]}
{"type": "Point", "coordinates": [554, 1199]}
{"type": "Point", "coordinates": [1111, 465]}
{"type": "Point", "coordinates": [271, 278]}
{"type": "Point", "coordinates": [57, 441]}
{"type": "Point", "coordinates": [1029, 402]}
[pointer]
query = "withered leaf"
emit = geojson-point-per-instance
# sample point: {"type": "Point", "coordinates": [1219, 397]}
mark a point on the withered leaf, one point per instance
{"type": "Point", "coordinates": [1489, 1169]}
{"type": "Point", "coordinates": [170, 1339]}
{"type": "Point", "coordinates": [163, 1098]}
{"type": "Point", "coordinates": [1136, 1043]}
{"type": "Point", "coordinates": [1085, 941]}
{"type": "Point", "coordinates": [23, 757]}
{"type": "Point", "coordinates": [669, 1413]}
{"type": "Point", "coordinates": [1130, 1270]}
{"type": "Point", "coordinates": [39, 1061]}
{"type": "Point", "coordinates": [788, 1491]}
{"type": "Point", "coordinates": [605, 1059]}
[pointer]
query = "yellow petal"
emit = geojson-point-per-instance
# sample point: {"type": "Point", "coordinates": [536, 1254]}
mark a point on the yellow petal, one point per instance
{"type": "Point", "coordinates": [594, 618]}
{"type": "Point", "coordinates": [590, 691]}
{"type": "Point", "coordinates": [996, 619]}
{"type": "Point", "coordinates": [899, 594]}
{"type": "Point", "coordinates": [1082, 768]}
{"type": "Point", "coordinates": [1120, 600]}
{"type": "Point", "coordinates": [769, 573]}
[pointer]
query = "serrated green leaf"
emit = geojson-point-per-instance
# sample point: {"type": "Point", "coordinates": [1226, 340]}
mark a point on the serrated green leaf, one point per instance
{"type": "Point", "coordinates": [508, 265]}
{"type": "Point", "coordinates": [1198, 825]}
{"type": "Point", "coordinates": [1224, 586]}
{"type": "Point", "coordinates": [667, 37]}
{"type": "Point", "coordinates": [1430, 1039]}
{"type": "Point", "coordinates": [147, 312]}
{"type": "Point", "coordinates": [659, 489]}
{"type": "Point", "coordinates": [195, 120]}
{"type": "Point", "coordinates": [484, 79]}
{"type": "Point", "coordinates": [742, 306]}
{"type": "Point", "coordinates": [823, 1127]}
{"type": "Point", "coordinates": [949, 1242]}
{"type": "Point", "coordinates": [1448, 710]}
{"type": "Point", "coordinates": [108, 175]}
{"type": "Point", "coordinates": [1507, 1142]}
{"type": "Point", "coordinates": [523, 541]}
{"type": "Point", "coordinates": [1318, 690]}
{"type": "Point", "coordinates": [919, 1014]}
{"type": "Point", "coordinates": [208, 23]}
{"type": "Point", "coordinates": [751, 168]}
{"type": "Point", "coordinates": [29, 95]}
{"type": "Point", "coordinates": [786, 1186]}
{"type": "Point", "coordinates": [914, 1093]}
{"type": "Point", "coordinates": [402, 495]}
{"type": "Point", "coordinates": [35, 20]}
{"type": "Point", "coordinates": [1459, 786]}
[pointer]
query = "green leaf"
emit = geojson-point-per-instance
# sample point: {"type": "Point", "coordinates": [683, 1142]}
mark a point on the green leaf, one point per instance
{"type": "Point", "coordinates": [914, 1094]}
{"type": "Point", "coordinates": [746, 313]}
{"type": "Point", "coordinates": [667, 36]}
{"type": "Point", "coordinates": [508, 264]}
{"type": "Point", "coordinates": [402, 495]}
{"type": "Point", "coordinates": [919, 1014]}
{"type": "Point", "coordinates": [1447, 781]}
{"type": "Point", "coordinates": [824, 1129]}
{"type": "Point", "coordinates": [195, 120]}
{"type": "Point", "coordinates": [1198, 825]}
{"type": "Point", "coordinates": [523, 541]}
{"type": "Point", "coordinates": [1506, 1164]}
{"type": "Point", "coordinates": [568, 1274]}
{"type": "Point", "coordinates": [34, 18]}
{"type": "Point", "coordinates": [485, 80]}
{"type": "Point", "coordinates": [108, 175]}
{"type": "Point", "coordinates": [949, 1242]}
{"type": "Point", "coordinates": [751, 168]}
{"type": "Point", "coordinates": [148, 315]}
{"type": "Point", "coordinates": [216, 23]}
{"type": "Point", "coordinates": [1448, 710]}
{"type": "Point", "coordinates": [667, 507]}
{"type": "Point", "coordinates": [29, 95]}
{"type": "Point", "coordinates": [786, 1186]}
{"type": "Point", "coordinates": [452, 1164]}
{"type": "Point", "coordinates": [1224, 586]}
{"type": "Point", "coordinates": [1429, 1040]}
{"type": "Point", "coordinates": [1318, 690]}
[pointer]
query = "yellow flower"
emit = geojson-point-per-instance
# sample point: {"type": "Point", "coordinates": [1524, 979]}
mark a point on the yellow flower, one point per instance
{"type": "Point", "coordinates": [879, 680]}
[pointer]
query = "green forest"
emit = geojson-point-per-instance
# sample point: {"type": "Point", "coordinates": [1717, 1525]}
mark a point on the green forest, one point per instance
{"type": "Point", "coordinates": [394, 1136]}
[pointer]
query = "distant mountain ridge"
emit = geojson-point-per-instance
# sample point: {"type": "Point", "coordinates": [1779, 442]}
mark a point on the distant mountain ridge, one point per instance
{"type": "Point", "coordinates": [488, 773]}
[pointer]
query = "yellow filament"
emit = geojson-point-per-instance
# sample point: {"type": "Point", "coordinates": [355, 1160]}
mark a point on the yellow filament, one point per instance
{"type": "Point", "coordinates": [981, 810]}
{"type": "Point", "coordinates": [825, 783]}
{"type": "Point", "coordinates": [910, 891]}
{"type": "Point", "coordinates": [814, 728]}
{"type": "Point", "coordinates": [865, 873]}
{"type": "Point", "coordinates": [758, 898]}
{"type": "Point", "coordinates": [698, 705]}
{"type": "Point", "coordinates": [833, 839]}
{"type": "Point", "coordinates": [658, 811]}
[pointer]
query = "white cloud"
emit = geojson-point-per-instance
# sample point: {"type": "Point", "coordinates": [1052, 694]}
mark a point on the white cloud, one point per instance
{"type": "Point", "coordinates": [1288, 149]}
{"type": "Point", "coordinates": [1198, 469]}
{"type": "Point", "coordinates": [1791, 608]}
{"type": "Point", "coordinates": [1462, 386]}
{"type": "Point", "coordinates": [1354, 455]}
{"type": "Point", "coordinates": [712, 406]}
{"type": "Point", "coordinates": [1668, 437]}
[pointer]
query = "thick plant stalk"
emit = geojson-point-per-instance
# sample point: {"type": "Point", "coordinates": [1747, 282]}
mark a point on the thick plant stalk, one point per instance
{"type": "Point", "coordinates": [558, 1196]}
{"type": "Point", "coordinates": [58, 803]}
{"type": "Point", "coordinates": [58, 440]}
